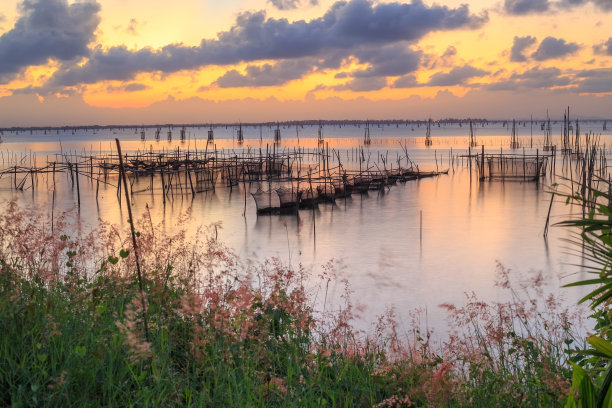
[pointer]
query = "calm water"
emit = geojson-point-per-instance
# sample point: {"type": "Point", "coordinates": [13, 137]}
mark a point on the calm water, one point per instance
{"type": "Point", "coordinates": [389, 256]}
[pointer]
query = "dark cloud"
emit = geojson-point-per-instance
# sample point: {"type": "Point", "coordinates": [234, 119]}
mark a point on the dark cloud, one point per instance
{"type": "Point", "coordinates": [432, 61]}
{"type": "Point", "coordinates": [604, 48]}
{"type": "Point", "coordinates": [290, 4]}
{"type": "Point", "coordinates": [363, 84]}
{"type": "Point", "coordinates": [406, 81]}
{"type": "Point", "coordinates": [594, 73]}
{"type": "Point", "coordinates": [285, 4]}
{"type": "Point", "coordinates": [266, 75]}
{"type": "Point", "coordinates": [345, 28]}
{"type": "Point", "coordinates": [605, 5]}
{"type": "Point", "coordinates": [393, 60]}
{"type": "Point", "coordinates": [595, 81]}
{"type": "Point", "coordinates": [551, 48]}
{"type": "Point", "coordinates": [456, 76]}
{"type": "Point", "coordinates": [449, 53]}
{"type": "Point", "coordinates": [43, 91]}
{"type": "Point", "coordinates": [47, 29]}
{"type": "Point", "coordinates": [534, 78]}
{"type": "Point", "coordinates": [521, 7]}
{"type": "Point", "coordinates": [28, 90]}
{"type": "Point", "coordinates": [519, 45]}
{"type": "Point", "coordinates": [132, 87]}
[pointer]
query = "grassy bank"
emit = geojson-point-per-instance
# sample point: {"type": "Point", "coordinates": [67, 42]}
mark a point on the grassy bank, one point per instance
{"type": "Point", "coordinates": [225, 332]}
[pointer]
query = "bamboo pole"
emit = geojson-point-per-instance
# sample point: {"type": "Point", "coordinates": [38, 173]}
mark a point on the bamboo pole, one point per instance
{"type": "Point", "coordinates": [131, 221]}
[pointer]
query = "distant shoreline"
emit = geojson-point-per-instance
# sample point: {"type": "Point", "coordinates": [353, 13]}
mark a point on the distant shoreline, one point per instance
{"type": "Point", "coordinates": [344, 122]}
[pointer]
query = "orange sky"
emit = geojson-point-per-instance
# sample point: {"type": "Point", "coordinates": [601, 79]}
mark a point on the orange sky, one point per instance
{"type": "Point", "coordinates": [121, 61]}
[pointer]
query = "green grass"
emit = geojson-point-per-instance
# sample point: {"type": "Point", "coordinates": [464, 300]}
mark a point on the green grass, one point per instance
{"type": "Point", "coordinates": [222, 334]}
{"type": "Point", "coordinates": [71, 329]}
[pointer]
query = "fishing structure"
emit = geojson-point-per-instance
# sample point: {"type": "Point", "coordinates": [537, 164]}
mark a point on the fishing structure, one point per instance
{"type": "Point", "coordinates": [282, 180]}
{"type": "Point", "coordinates": [428, 141]}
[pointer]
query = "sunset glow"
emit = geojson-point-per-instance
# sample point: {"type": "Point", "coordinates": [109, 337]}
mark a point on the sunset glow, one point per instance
{"type": "Point", "coordinates": [485, 59]}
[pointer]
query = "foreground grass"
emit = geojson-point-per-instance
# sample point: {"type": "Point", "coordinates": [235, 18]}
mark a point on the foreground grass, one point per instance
{"type": "Point", "coordinates": [226, 334]}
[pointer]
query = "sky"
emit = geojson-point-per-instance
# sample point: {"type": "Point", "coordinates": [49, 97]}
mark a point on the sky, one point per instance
{"type": "Point", "coordinates": [86, 62]}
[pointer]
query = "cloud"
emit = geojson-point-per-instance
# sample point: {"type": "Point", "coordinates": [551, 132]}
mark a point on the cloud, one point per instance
{"type": "Point", "coordinates": [604, 48]}
{"type": "Point", "coordinates": [290, 4]}
{"type": "Point", "coordinates": [393, 60]}
{"type": "Point", "coordinates": [132, 87]}
{"type": "Point", "coordinates": [594, 81]}
{"type": "Point", "coordinates": [345, 28]}
{"type": "Point", "coordinates": [47, 30]}
{"type": "Point", "coordinates": [551, 48]}
{"type": "Point", "coordinates": [534, 78]}
{"type": "Point", "coordinates": [406, 81]}
{"type": "Point", "coordinates": [132, 28]}
{"type": "Point", "coordinates": [522, 7]}
{"type": "Point", "coordinates": [456, 76]}
{"type": "Point", "coordinates": [364, 84]}
{"type": "Point", "coordinates": [447, 59]}
{"type": "Point", "coordinates": [450, 52]}
{"type": "Point", "coordinates": [266, 75]}
{"type": "Point", "coordinates": [519, 45]}
{"type": "Point", "coordinates": [605, 5]}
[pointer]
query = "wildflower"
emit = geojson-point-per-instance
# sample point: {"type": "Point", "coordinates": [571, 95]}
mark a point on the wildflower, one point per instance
{"type": "Point", "coordinates": [139, 348]}
{"type": "Point", "coordinates": [58, 382]}
{"type": "Point", "coordinates": [277, 384]}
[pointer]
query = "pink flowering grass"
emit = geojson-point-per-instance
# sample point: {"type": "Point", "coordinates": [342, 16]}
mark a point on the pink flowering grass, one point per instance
{"type": "Point", "coordinates": [227, 332]}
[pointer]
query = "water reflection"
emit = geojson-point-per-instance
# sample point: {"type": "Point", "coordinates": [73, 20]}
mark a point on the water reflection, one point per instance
{"type": "Point", "coordinates": [420, 243]}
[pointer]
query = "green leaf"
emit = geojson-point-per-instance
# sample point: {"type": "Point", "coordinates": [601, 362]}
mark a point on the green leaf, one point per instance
{"type": "Point", "coordinates": [124, 253]}
{"type": "Point", "coordinates": [113, 260]}
{"type": "Point", "coordinates": [588, 282]}
{"type": "Point", "coordinates": [581, 384]}
{"type": "Point", "coordinates": [605, 289]}
{"type": "Point", "coordinates": [102, 308]}
{"type": "Point", "coordinates": [80, 351]}
{"type": "Point", "coordinates": [604, 393]}
{"type": "Point", "coordinates": [42, 358]}
{"type": "Point", "coordinates": [601, 345]}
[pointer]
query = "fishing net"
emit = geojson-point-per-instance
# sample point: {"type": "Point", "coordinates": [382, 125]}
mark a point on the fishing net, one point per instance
{"type": "Point", "coordinates": [288, 197]}
{"type": "Point", "coordinates": [326, 190]}
{"type": "Point", "coordinates": [512, 167]}
{"type": "Point", "coordinates": [265, 201]}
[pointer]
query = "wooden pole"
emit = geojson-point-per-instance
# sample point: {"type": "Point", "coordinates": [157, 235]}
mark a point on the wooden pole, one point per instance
{"type": "Point", "coordinates": [482, 173]}
{"type": "Point", "coordinates": [76, 174]}
{"type": "Point", "coordinates": [131, 221]}
{"type": "Point", "coordinates": [53, 199]}
{"type": "Point", "coordinates": [421, 226]}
